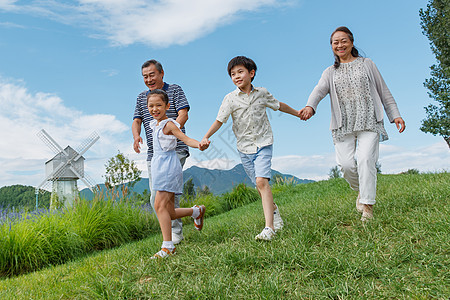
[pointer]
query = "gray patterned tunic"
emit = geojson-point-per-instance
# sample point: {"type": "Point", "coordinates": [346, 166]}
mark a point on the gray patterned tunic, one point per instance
{"type": "Point", "coordinates": [355, 102]}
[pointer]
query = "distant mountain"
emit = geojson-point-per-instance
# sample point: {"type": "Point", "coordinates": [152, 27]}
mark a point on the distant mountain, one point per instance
{"type": "Point", "coordinates": [218, 181]}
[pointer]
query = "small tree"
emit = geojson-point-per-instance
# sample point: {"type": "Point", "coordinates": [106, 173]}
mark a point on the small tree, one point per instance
{"type": "Point", "coordinates": [335, 172]}
{"type": "Point", "coordinates": [188, 189]}
{"type": "Point", "coordinates": [121, 171]}
{"type": "Point", "coordinates": [378, 166]}
{"type": "Point", "coordinates": [205, 191]}
{"type": "Point", "coordinates": [435, 22]}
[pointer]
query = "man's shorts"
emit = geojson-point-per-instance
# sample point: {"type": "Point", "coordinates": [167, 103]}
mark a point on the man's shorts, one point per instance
{"type": "Point", "coordinates": [258, 164]}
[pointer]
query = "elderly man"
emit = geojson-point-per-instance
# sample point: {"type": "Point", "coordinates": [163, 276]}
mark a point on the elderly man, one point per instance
{"type": "Point", "coordinates": [153, 74]}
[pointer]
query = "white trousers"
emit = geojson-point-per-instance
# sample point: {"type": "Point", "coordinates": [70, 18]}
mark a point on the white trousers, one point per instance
{"type": "Point", "coordinates": [360, 172]}
{"type": "Point", "coordinates": [177, 225]}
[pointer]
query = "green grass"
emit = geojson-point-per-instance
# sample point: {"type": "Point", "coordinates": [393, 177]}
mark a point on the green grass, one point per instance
{"type": "Point", "coordinates": [323, 252]}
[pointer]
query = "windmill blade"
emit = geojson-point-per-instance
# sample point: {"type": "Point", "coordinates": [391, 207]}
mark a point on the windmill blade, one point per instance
{"type": "Point", "coordinates": [84, 179]}
{"type": "Point", "coordinates": [58, 169]}
{"type": "Point", "coordinates": [87, 144]}
{"type": "Point", "coordinates": [50, 142]}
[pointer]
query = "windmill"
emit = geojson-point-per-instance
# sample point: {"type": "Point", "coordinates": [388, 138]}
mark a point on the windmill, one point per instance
{"type": "Point", "coordinates": [64, 169]}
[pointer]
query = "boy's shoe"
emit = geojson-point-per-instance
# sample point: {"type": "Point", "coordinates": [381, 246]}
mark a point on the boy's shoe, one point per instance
{"type": "Point", "coordinates": [359, 206]}
{"type": "Point", "coordinates": [163, 253]}
{"type": "Point", "coordinates": [177, 238]}
{"type": "Point", "coordinates": [267, 234]}
{"type": "Point", "coordinates": [277, 221]}
{"type": "Point", "coordinates": [198, 222]}
{"type": "Point", "coordinates": [367, 213]}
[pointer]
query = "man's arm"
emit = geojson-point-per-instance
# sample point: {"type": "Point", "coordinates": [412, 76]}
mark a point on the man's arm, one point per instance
{"type": "Point", "coordinates": [182, 117]}
{"type": "Point", "coordinates": [136, 130]}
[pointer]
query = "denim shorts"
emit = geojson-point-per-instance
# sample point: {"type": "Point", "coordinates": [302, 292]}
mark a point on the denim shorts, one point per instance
{"type": "Point", "coordinates": [258, 164]}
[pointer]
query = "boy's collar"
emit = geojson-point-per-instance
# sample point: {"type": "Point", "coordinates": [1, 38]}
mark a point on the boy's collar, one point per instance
{"type": "Point", "coordinates": [253, 89]}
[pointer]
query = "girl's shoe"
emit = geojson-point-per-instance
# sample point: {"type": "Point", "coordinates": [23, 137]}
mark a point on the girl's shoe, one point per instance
{"type": "Point", "coordinates": [266, 235]}
{"type": "Point", "coordinates": [163, 253]}
{"type": "Point", "coordinates": [367, 213]}
{"type": "Point", "coordinates": [198, 222]}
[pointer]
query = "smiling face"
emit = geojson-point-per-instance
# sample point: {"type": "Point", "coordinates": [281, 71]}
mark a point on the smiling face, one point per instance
{"type": "Point", "coordinates": [157, 107]}
{"type": "Point", "coordinates": [242, 78]}
{"type": "Point", "coordinates": [342, 46]}
{"type": "Point", "coordinates": [152, 77]}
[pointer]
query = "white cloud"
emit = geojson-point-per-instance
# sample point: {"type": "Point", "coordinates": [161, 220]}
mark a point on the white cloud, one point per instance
{"type": "Point", "coordinates": [158, 23]}
{"type": "Point", "coordinates": [24, 114]}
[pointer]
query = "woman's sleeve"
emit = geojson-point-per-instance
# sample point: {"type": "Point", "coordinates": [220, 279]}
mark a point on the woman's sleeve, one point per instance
{"type": "Point", "coordinates": [321, 90]}
{"type": "Point", "coordinates": [388, 101]}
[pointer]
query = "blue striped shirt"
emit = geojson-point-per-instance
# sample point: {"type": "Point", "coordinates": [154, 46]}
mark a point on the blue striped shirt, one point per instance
{"type": "Point", "coordinates": [177, 100]}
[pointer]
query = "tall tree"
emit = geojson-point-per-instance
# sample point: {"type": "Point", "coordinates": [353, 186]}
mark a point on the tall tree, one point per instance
{"type": "Point", "coordinates": [188, 189]}
{"type": "Point", "coordinates": [435, 22]}
{"type": "Point", "coordinates": [120, 171]}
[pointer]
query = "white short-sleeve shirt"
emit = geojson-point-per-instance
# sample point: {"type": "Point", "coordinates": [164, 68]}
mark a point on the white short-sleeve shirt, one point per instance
{"type": "Point", "coordinates": [250, 122]}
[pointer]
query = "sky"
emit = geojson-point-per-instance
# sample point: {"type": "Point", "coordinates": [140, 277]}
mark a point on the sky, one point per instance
{"type": "Point", "coordinates": [74, 67]}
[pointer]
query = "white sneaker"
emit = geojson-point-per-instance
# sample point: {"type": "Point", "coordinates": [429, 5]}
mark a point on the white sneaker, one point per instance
{"type": "Point", "coordinates": [277, 220]}
{"type": "Point", "coordinates": [177, 238]}
{"type": "Point", "coordinates": [267, 234]}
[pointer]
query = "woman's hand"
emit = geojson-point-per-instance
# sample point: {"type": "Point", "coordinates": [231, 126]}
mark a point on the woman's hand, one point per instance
{"type": "Point", "coordinates": [306, 113]}
{"type": "Point", "coordinates": [400, 124]}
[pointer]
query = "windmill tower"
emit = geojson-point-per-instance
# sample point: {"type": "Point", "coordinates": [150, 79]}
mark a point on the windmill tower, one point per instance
{"type": "Point", "coordinates": [64, 169]}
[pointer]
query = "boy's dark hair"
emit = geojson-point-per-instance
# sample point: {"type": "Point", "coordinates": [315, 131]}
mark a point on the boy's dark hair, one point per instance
{"type": "Point", "coordinates": [157, 64]}
{"type": "Point", "coordinates": [159, 92]}
{"type": "Point", "coordinates": [248, 63]}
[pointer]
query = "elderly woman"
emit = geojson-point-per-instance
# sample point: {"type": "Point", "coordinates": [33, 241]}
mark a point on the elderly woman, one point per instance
{"type": "Point", "coordinates": [358, 94]}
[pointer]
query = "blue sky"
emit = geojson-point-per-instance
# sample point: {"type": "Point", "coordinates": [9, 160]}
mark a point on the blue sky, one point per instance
{"type": "Point", "coordinates": [73, 67]}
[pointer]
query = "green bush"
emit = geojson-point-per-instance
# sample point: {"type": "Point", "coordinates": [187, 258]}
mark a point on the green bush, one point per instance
{"type": "Point", "coordinates": [28, 244]}
{"type": "Point", "coordinates": [240, 195]}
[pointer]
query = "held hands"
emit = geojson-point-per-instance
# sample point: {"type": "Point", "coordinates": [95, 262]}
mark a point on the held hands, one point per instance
{"type": "Point", "coordinates": [306, 113]}
{"type": "Point", "coordinates": [400, 124]}
{"type": "Point", "coordinates": [204, 144]}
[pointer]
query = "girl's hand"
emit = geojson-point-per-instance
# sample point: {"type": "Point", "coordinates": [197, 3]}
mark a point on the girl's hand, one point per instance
{"type": "Point", "coordinates": [306, 113]}
{"type": "Point", "coordinates": [400, 124]}
{"type": "Point", "coordinates": [204, 144]}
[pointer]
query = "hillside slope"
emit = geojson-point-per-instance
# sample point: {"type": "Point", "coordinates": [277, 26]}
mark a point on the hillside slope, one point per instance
{"type": "Point", "coordinates": [324, 251]}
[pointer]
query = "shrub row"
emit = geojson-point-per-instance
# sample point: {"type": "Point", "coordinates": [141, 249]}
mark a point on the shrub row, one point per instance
{"type": "Point", "coordinates": [28, 244]}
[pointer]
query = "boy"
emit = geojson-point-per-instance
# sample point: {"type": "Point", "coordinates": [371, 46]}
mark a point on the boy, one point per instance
{"type": "Point", "coordinates": [247, 107]}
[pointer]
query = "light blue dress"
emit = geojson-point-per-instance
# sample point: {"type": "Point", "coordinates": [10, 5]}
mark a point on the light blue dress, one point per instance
{"type": "Point", "coordinates": [167, 173]}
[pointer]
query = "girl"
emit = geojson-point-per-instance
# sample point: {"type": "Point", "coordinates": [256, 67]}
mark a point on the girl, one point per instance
{"type": "Point", "coordinates": [358, 94]}
{"type": "Point", "coordinates": [167, 176]}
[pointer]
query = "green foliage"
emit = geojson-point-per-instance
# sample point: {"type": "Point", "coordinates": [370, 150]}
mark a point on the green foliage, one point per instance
{"type": "Point", "coordinates": [58, 236]}
{"type": "Point", "coordinates": [335, 172]}
{"type": "Point", "coordinates": [120, 171]}
{"type": "Point", "coordinates": [188, 189]}
{"type": "Point", "coordinates": [20, 196]}
{"type": "Point", "coordinates": [203, 191]}
{"type": "Point", "coordinates": [323, 252]}
{"type": "Point", "coordinates": [435, 22]}
{"type": "Point", "coordinates": [239, 196]}
{"type": "Point", "coordinates": [411, 172]}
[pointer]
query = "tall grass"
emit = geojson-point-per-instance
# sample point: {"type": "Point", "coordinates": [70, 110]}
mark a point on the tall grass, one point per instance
{"type": "Point", "coordinates": [28, 244]}
{"type": "Point", "coordinates": [323, 252]}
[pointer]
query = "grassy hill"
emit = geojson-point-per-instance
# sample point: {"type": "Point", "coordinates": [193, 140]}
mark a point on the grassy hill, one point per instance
{"type": "Point", "coordinates": [324, 251]}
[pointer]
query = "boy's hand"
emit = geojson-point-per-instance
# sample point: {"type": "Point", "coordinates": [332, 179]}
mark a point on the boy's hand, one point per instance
{"type": "Point", "coordinates": [306, 113]}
